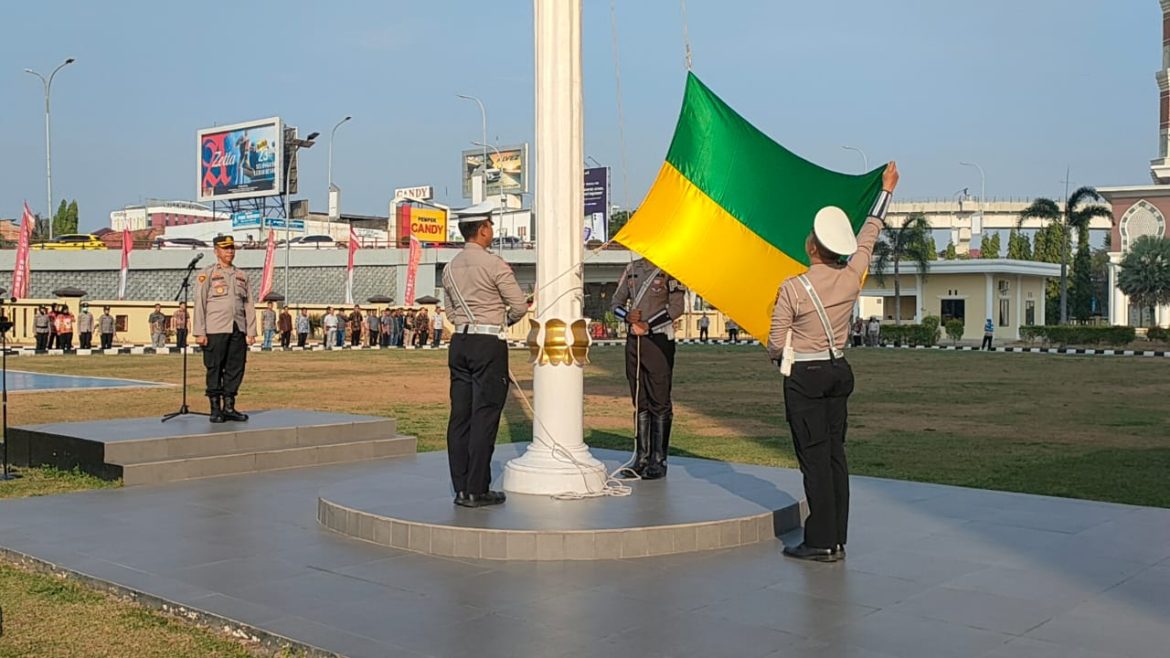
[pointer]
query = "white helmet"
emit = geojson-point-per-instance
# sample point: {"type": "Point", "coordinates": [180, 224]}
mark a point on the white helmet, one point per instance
{"type": "Point", "coordinates": [834, 232]}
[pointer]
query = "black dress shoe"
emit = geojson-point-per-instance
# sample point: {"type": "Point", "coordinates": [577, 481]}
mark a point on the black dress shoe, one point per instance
{"type": "Point", "coordinates": [805, 552]}
{"type": "Point", "coordinates": [460, 496]}
{"type": "Point", "coordinates": [839, 552]}
{"type": "Point", "coordinates": [481, 500]}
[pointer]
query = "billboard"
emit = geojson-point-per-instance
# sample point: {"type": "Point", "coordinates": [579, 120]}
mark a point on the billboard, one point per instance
{"type": "Point", "coordinates": [425, 224]}
{"type": "Point", "coordinates": [597, 203]}
{"type": "Point", "coordinates": [241, 160]}
{"type": "Point", "coordinates": [507, 170]}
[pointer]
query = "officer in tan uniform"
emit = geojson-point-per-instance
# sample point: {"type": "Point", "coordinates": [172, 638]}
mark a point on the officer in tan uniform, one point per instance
{"type": "Point", "coordinates": [224, 326]}
{"type": "Point", "coordinates": [484, 299]}
{"type": "Point", "coordinates": [814, 310]}
{"type": "Point", "coordinates": [655, 300]}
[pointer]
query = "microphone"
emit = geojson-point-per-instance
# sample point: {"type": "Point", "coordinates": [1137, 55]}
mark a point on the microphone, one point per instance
{"type": "Point", "coordinates": [194, 260]}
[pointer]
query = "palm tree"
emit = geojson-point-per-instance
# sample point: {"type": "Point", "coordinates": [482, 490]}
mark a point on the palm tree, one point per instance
{"type": "Point", "coordinates": [1145, 274]}
{"type": "Point", "coordinates": [1075, 216]}
{"type": "Point", "coordinates": [910, 241]}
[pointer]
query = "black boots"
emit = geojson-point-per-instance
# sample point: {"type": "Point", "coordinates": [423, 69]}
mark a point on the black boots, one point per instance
{"type": "Point", "coordinates": [216, 415]}
{"type": "Point", "coordinates": [642, 453]}
{"type": "Point", "coordinates": [229, 409]}
{"type": "Point", "coordinates": [659, 446]}
{"type": "Point", "coordinates": [224, 409]}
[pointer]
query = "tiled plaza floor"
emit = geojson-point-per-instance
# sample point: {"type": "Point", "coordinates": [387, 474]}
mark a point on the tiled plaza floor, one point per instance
{"type": "Point", "coordinates": [932, 571]}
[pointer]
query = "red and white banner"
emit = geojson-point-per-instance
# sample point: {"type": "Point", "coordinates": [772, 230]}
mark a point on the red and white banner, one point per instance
{"type": "Point", "coordinates": [269, 266]}
{"type": "Point", "coordinates": [412, 269]}
{"type": "Point", "coordinates": [127, 247]}
{"type": "Point", "coordinates": [354, 245]}
{"type": "Point", "coordinates": [20, 273]}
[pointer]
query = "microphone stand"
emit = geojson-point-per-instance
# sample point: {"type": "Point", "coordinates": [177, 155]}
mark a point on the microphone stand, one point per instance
{"type": "Point", "coordinates": [184, 410]}
{"type": "Point", "coordinates": [5, 326]}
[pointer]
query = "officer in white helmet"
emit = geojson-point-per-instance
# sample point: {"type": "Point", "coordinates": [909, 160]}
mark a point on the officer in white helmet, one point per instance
{"type": "Point", "coordinates": [810, 326]}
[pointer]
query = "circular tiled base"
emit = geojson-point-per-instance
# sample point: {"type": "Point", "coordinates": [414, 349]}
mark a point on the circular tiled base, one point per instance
{"type": "Point", "coordinates": [701, 505]}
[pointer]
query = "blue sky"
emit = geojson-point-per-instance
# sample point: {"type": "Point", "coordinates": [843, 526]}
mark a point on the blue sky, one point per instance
{"type": "Point", "coordinates": [1023, 88]}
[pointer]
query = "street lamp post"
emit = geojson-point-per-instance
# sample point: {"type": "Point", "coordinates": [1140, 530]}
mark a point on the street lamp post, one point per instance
{"type": "Point", "coordinates": [483, 120]}
{"type": "Point", "coordinates": [331, 134]}
{"type": "Point", "coordinates": [48, 84]}
{"type": "Point", "coordinates": [292, 145]}
{"type": "Point", "coordinates": [982, 193]}
{"type": "Point", "coordinates": [864, 160]}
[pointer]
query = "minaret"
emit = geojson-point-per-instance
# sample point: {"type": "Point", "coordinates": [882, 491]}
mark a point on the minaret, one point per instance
{"type": "Point", "coordinates": [1160, 168]}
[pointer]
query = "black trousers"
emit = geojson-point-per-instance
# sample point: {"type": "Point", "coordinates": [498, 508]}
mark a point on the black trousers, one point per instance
{"type": "Point", "coordinates": [86, 340]}
{"type": "Point", "coordinates": [65, 341]}
{"type": "Point", "coordinates": [225, 356]}
{"type": "Point", "coordinates": [181, 338]}
{"type": "Point", "coordinates": [816, 398]}
{"type": "Point", "coordinates": [285, 339]}
{"type": "Point", "coordinates": [42, 342]}
{"type": "Point", "coordinates": [733, 335]}
{"type": "Point", "coordinates": [107, 341]}
{"type": "Point", "coordinates": [650, 381]}
{"type": "Point", "coordinates": [986, 345]}
{"type": "Point", "coordinates": [703, 333]}
{"type": "Point", "coordinates": [301, 338]}
{"type": "Point", "coordinates": [479, 388]}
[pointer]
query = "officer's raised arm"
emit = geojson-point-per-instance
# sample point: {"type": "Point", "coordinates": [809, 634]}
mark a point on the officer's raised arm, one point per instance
{"type": "Point", "coordinates": [868, 236]}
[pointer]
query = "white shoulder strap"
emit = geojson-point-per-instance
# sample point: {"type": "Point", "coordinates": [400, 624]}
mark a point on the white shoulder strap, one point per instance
{"type": "Point", "coordinates": [645, 287]}
{"type": "Point", "coordinates": [816, 300]}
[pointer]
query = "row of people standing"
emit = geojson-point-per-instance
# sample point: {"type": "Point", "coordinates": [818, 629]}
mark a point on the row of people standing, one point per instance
{"type": "Point", "coordinates": [390, 328]}
{"type": "Point", "coordinates": [54, 326]}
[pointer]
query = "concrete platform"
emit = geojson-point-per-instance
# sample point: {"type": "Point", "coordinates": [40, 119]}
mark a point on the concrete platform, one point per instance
{"type": "Point", "coordinates": [148, 451]}
{"type": "Point", "coordinates": [933, 571]}
{"type": "Point", "coordinates": [701, 506]}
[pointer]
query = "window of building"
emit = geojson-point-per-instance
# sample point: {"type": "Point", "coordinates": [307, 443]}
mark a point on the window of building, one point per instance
{"type": "Point", "coordinates": [1030, 313]}
{"type": "Point", "coordinates": [953, 309]}
{"type": "Point", "coordinates": [1004, 306]}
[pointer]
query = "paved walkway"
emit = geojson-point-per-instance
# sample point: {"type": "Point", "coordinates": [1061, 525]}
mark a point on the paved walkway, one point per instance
{"type": "Point", "coordinates": [932, 571]}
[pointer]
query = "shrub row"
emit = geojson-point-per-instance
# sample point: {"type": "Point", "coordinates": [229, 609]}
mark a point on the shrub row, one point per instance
{"type": "Point", "coordinates": [1159, 334]}
{"type": "Point", "coordinates": [1064, 334]}
{"type": "Point", "coordinates": [925, 335]}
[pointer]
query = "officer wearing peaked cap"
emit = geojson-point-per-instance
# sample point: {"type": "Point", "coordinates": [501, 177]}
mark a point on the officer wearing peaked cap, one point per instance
{"type": "Point", "coordinates": [224, 326]}
{"type": "Point", "coordinates": [655, 300]}
{"type": "Point", "coordinates": [810, 325]}
{"type": "Point", "coordinates": [483, 299]}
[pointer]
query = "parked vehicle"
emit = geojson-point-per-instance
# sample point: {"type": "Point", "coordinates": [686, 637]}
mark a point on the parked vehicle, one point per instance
{"type": "Point", "coordinates": [180, 243]}
{"type": "Point", "coordinates": [72, 241]}
{"type": "Point", "coordinates": [312, 242]}
{"type": "Point", "coordinates": [508, 242]}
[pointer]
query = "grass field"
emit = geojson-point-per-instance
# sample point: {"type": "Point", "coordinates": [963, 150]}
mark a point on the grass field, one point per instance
{"type": "Point", "coordinates": [49, 617]}
{"type": "Point", "coordinates": [1084, 427]}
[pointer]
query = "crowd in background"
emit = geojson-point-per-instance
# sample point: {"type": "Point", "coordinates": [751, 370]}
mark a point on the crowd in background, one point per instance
{"type": "Point", "coordinates": [369, 327]}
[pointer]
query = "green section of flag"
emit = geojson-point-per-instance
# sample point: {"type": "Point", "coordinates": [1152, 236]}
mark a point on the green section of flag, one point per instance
{"type": "Point", "coordinates": [771, 190]}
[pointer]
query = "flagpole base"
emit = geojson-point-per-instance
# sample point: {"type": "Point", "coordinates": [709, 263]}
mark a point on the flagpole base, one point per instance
{"type": "Point", "coordinates": [545, 471]}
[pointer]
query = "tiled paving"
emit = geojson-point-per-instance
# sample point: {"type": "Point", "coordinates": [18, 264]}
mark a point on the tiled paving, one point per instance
{"type": "Point", "coordinates": [932, 571]}
{"type": "Point", "coordinates": [703, 505]}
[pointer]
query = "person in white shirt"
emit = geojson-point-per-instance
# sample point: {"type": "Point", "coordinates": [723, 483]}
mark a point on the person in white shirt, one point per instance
{"type": "Point", "coordinates": [437, 327]}
{"type": "Point", "coordinates": [330, 322]}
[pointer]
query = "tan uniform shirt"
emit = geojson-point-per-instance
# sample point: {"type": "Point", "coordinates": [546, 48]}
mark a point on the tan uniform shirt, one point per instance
{"type": "Point", "coordinates": [838, 289]}
{"type": "Point", "coordinates": [661, 304]}
{"type": "Point", "coordinates": [481, 289]}
{"type": "Point", "coordinates": [223, 300]}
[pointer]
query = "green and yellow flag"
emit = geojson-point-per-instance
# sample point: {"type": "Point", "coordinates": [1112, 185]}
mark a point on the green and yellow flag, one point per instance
{"type": "Point", "coordinates": [730, 210]}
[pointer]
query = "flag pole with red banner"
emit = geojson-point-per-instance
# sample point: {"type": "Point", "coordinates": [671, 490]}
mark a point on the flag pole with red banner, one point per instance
{"type": "Point", "coordinates": [353, 247]}
{"type": "Point", "coordinates": [269, 265]}
{"type": "Point", "coordinates": [127, 247]}
{"type": "Point", "coordinates": [412, 269]}
{"type": "Point", "coordinates": [20, 273]}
